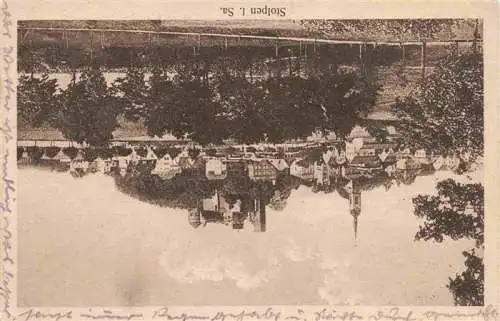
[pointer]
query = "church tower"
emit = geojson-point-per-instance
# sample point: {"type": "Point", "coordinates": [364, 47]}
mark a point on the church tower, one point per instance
{"type": "Point", "coordinates": [355, 204]}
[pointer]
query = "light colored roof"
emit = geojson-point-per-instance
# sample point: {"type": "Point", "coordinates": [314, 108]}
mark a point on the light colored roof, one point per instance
{"type": "Point", "coordinates": [279, 164]}
{"type": "Point", "coordinates": [359, 132]}
{"type": "Point", "coordinates": [61, 156]}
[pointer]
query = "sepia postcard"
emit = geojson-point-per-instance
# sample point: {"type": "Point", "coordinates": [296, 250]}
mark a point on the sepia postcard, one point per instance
{"type": "Point", "coordinates": [241, 161]}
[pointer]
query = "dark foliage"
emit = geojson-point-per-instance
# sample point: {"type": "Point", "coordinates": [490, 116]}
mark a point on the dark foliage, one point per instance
{"type": "Point", "coordinates": [194, 152]}
{"type": "Point", "coordinates": [52, 151]}
{"type": "Point", "coordinates": [38, 102]}
{"type": "Point", "coordinates": [447, 112]}
{"type": "Point", "coordinates": [141, 151]}
{"type": "Point", "coordinates": [89, 110]}
{"type": "Point", "coordinates": [132, 93]}
{"type": "Point", "coordinates": [121, 151]}
{"type": "Point", "coordinates": [71, 152]}
{"type": "Point", "coordinates": [446, 215]}
{"type": "Point", "coordinates": [457, 211]}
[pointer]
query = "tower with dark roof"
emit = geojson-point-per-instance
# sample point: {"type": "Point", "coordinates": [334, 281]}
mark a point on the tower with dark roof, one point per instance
{"type": "Point", "coordinates": [355, 204]}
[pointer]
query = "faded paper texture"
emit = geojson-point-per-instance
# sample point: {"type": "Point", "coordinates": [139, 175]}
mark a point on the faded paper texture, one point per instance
{"type": "Point", "coordinates": [274, 161]}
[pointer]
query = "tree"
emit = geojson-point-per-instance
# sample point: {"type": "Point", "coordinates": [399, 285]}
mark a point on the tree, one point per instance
{"type": "Point", "coordinates": [457, 211]}
{"type": "Point", "coordinates": [282, 108]}
{"type": "Point", "coordinates": [211, 102]}
{"type": "Point", "coordinates": [242, 106]}
{"type": "Point", "coordinates": [89, 110]}
{"type": "Point", "coordinates": [468, 287]}
{"type": "Point", "coordinates": [160, 96]}
{"type": "Point", "coordinates": [290, 110]}
{"type": "Point", "coordinates": [383, 29]}
{"type": "Point", "coordinates": [446, 112]}
{"type": "Point", "coordinates": [347, 98]}
{"type": "Point", "coordinates": [184, 106]}
{"type": "Point", "coordinates": [37, 100]}
{"type": "Point", "coordinates": [132, 92]}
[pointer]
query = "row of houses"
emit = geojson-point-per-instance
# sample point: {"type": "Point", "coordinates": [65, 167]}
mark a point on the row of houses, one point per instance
{"type": "Point", "coordinates": [362, 152]}
{"type": "Point", "coordinates": [332, 163]}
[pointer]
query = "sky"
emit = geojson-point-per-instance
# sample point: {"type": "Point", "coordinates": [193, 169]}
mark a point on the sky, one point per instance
{"type": "Point", "coordinates": [83, 243]}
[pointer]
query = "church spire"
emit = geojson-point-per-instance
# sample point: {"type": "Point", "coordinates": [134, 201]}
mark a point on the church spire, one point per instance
{"type": "Point", "coordinates": [355, 205]}
{"type": "Point", "coordinates": [355, 223]}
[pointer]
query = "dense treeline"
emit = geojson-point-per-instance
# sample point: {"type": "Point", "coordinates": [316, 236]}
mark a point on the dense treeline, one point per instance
{"type": "Point", "coordinates": [39, 57]}
{"type": "Point", "coordinates": [396, 29]}
{"type": "Point", "coordinates": [60, 50]}
{"type": "Point", "coordinates": [205, 100]}
{"type": "Point", "coordinates": [446, 112]}
{"type": "Point", "coordinates": [213, 100]}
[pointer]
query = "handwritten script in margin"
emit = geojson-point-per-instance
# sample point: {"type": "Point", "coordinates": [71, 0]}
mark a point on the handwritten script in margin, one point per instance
{"type": "Point", "coordinates": [488, 313]}
{"type": "Point", "coordinates": [7, 92]}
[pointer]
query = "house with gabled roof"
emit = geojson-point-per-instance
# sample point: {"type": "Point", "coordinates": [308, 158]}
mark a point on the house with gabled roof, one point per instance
{"type": "Point", "coordinates": [439, 163]}
{"type": "Point", "coordinates": [166, 167]}
{"type": "Point", "coordinates": [215, 169]}
{"type": "Point", "coordinates": [62, 157]}
{"type": "Point", "coordinates": [331, 152]}
{"type": "Point", "coordinates": [302, 169]}
{"type": "Point", "coordinates": [262, 170]}
{"type": "Point", "coordinates": [341, 159]}
{"type": "Point", "coordinates": [452, 162]}
{"type": "Point", "coordinates": [403, 152]}
{"type": "Point", "coordinates": [367, 150]}
{"type": "Point", "coordinates": [279, 163]}
{"type": "Point", "coordinates": [133, 157]}
{"type": "Point", "coordinates": [102, 165]}
{"type": "Point", "coordinates": [150, 154]}
{"type": "Point", "coordinates": [351, 173]}
{"type": "Point", "coordinates": [184, 160]}
{"type": "Point", "coordinates": [321, 172]}
{"type": "Point", "coordinates": [350, 151]}
{"type": "Point", "coordinates": [408, 163]}
{"type": "Point", "coordinates": [387, 156]}
{"type": "Point", "coordinates": [423, 156]}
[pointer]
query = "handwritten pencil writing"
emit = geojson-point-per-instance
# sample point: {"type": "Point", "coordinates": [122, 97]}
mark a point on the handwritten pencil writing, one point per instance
{"type": "Point", "coordinates": [5, 292]}
{"type": "Point", "coordinates": [8, 59]}
{"type": "Point", "coordinates": [109, 315]}
{"type": "Point", "coordinates": [488, 314]}
{"type": "Point", "coordinates": [6, 20]}
{"type": "Point", "coordinates": [164, 314]}
{"type": "Point", "coordinates": [393, 314]}
{"type": "Point", "coordinates": [333, 315]}
{"type": "Point", "coordinates": [269, 314]}
{"type": "Point", "coordinates": [7, 182]}
{"type": "Point", "coordinates": [33, 314]}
